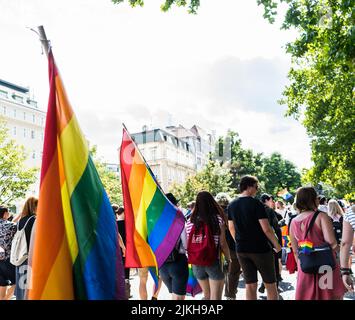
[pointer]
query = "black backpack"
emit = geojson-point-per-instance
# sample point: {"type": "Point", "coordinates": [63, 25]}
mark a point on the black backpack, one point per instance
{"type": "Point", "coordinates": [338, 229]}
{"type": "Point", "coordinates": [173, 256]}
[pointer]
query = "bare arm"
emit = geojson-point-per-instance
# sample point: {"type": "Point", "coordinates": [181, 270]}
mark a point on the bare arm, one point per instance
{"type": "Point", "coordinates": [224, 245]}
{"type": "Point", "coordinates": [121, 244]}
{"type": "Point", "coordinates": [294, 244]}
{"type": "Point", "coordinates": [328, 231]}
{"type": "Point", "coordinates": [231, 228]}
{"type": "Point", "coordinates": [16, 218]}
{"type": "Point", "coordinates": [346, 241]}
{"type": "Point", "coordinates": [265, 225]}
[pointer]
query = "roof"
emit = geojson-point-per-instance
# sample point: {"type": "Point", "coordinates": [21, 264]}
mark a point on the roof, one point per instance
{"type": "Point", "coordinates": [13, 86]}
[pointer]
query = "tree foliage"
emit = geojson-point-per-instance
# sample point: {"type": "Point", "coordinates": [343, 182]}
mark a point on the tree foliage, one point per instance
{"type": "Point", "coordinates": [167, 4]}
{"type": "Point", "coordinates": [322, 83]}
{"type": "Point", "coordinates": [274, 172]}
{"type": "Point", "coordinates": [278, 174]}
{"type": "Point", "coordinates": [213, 178]}
{"type": "Point", "coordinates": [110, 180]}
{"type": "Point", "coordinates": [15, 177]}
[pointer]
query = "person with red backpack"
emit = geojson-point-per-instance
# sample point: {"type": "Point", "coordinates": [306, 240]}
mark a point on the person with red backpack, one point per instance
{"type": "Point", "coordinates": [206, 241]}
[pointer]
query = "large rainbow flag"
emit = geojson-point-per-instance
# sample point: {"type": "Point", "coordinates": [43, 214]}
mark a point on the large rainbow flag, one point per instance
{"type": "Point", "coordinates": [153, 223]}
{"type": "Point", "coordinates": [76, 253]}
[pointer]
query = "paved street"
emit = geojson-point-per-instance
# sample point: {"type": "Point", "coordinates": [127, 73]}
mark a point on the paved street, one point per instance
{"type": "Point", "coordinates": [287, 287]}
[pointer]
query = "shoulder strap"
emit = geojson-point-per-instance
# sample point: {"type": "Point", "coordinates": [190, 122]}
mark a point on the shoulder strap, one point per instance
{"type": "Point", "coordinates": [24, 227]}
{"type": "Point", "coordinates": [315, 215]}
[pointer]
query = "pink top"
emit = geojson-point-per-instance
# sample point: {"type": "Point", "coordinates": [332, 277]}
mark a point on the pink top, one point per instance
{"type": "Point", "coordinates": [320, 286]}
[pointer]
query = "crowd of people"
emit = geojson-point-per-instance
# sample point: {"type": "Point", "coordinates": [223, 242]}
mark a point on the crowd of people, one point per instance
{"type": "Point", "coordinates": [227, 239]}
{"type": "Point", "coordinates": [223, 240]}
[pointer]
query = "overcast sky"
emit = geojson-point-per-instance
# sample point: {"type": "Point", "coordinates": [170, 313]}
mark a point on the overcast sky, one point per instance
{"type": "Point", "coordinates": [224, 68]}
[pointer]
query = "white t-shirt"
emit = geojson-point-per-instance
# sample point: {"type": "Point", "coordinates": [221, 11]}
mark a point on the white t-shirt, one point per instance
{"type": "Point", "coordinates": [350, 216]}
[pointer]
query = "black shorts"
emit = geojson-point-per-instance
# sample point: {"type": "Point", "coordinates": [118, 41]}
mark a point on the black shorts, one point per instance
{"type": "Point", "coordinates": [175, 275]}
{"type": "Point", "coordinates": [251, 263]}
{"type": "Point", "coordinates": [7, 273]}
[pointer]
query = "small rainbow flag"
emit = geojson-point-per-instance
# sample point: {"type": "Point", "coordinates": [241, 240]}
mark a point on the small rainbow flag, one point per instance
{"type": "Point", "coordinates": [153, 223]}
{"type": "Point", "coordinates": [284, 194]}
{"type": "Point", "coordinates": [305, 246]}
{"type": "Point", "coordinates": [286, 242]}
{"type": "Point", "coordinates": [76, 253]}
{"type": "Point", "coordinates": [193, 286]}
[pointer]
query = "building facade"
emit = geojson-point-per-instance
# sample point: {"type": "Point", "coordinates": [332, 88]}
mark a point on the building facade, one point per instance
{"type": "Point", "coordinates": [173, 153]}
{"type": "Point", "coordinates": [25, 122]}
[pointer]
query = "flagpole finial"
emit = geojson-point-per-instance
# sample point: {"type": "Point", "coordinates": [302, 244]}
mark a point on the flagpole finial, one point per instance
{"type": "Point", "coordinates": [43, 38]}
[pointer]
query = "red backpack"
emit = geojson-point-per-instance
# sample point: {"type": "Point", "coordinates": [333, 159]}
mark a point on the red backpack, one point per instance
{"type": "Point", "coordinates": [201, 248]}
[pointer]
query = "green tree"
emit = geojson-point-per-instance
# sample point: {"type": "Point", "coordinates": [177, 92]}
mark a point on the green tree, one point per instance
{"type": "Point", "coordinates": [279, 174]}
{"type": "Point", "coordinates": [110, 180]}
{"type": "Point", "coordinates": [15, 177]}
{"type": "Point", "coordinates": [214, 178]}
{"type": "Point", "coordinates": [322, 84]}
{"type": "Point", "coordinates": [242, 161]}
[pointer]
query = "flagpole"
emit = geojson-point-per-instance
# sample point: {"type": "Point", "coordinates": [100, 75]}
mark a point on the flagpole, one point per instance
{"type": "Point", "coordinates": [43, 39]}
{"type": "Point", "coordinates": [145, 162]}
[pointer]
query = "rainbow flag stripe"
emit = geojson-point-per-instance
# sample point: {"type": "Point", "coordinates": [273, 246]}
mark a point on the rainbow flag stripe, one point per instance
{"type": "Point", "coordinates": [153, 223]}
{"type": "Point", "coordinates": [305, 247]}
{"type": "Point", "coordinates": [284, 194]}
{"type": "Point", "coordinates": [76, 253]}
{"type": "Point", "coordinates": [193, 288]}
{"type": "Point", "coordinates": [286, 242]}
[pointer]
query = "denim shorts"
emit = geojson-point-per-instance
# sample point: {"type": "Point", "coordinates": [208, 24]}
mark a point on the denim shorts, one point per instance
{"type": "Point", "coordinates": [175, 275]}
{"type": "Point", "coordinates": [213, 272]}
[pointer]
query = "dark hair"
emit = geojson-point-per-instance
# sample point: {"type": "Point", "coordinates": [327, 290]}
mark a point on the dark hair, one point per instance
{"type": "Point", "coordinates": [117, 209]}
{"type": "Point", "coordinates": [246, 182]}
{"type": "Point", "coordinates": [306, 199]}
{"type": "Point", "coordinates": [322, 199]}
{"type": "Point", "coordinates": [207, 210]}
{"type": "Point", "coordinates": [265, 197]}
{"type": "Point", "coordinates": [3, 210]}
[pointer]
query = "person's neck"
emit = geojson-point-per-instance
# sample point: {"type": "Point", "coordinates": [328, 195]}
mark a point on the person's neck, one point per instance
{"type": "Point", "coordinates": [246, 193]}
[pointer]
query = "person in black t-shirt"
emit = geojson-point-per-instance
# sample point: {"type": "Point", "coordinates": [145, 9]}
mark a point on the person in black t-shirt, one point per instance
{"type": "Point", "coordinates": [249, 226]}
{"type": "Point", "coordinates": [119, 213]}
{"type": "Point", "coordinates": [269, 204]}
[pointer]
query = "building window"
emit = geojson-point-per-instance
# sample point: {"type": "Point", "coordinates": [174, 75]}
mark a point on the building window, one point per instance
{"type": "Point", "coordinates": [153, 152]}
{"type": "Point", "coordinates": [4, 110]}
{"type": "Point", "coordinates": [32, 134]}
{"type": "Point", "coordinates": [34, 155]}
{"type": "Point", "coordinates": [17, 98]}
{"type": "Point", "coordinates": [14, 131]}
{"type": "Point", "coordinates": [24, 116]}
{"type": "Point", "coordinates": [3, 94]}
{"type": "Point", "coordinates": [33, 118]}
{"type": "Point", "coordinates": [14, 113]}
{"type": "Point", "coordinates": [24, 132]}
{"type": "Point", "coordinates": [42, 120]}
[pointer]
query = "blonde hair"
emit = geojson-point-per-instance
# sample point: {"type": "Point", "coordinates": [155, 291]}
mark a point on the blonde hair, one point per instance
{"type": "Point", "coordinates": [334, 208]}
{"type": "Point", "coordinates": [30, 207]}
